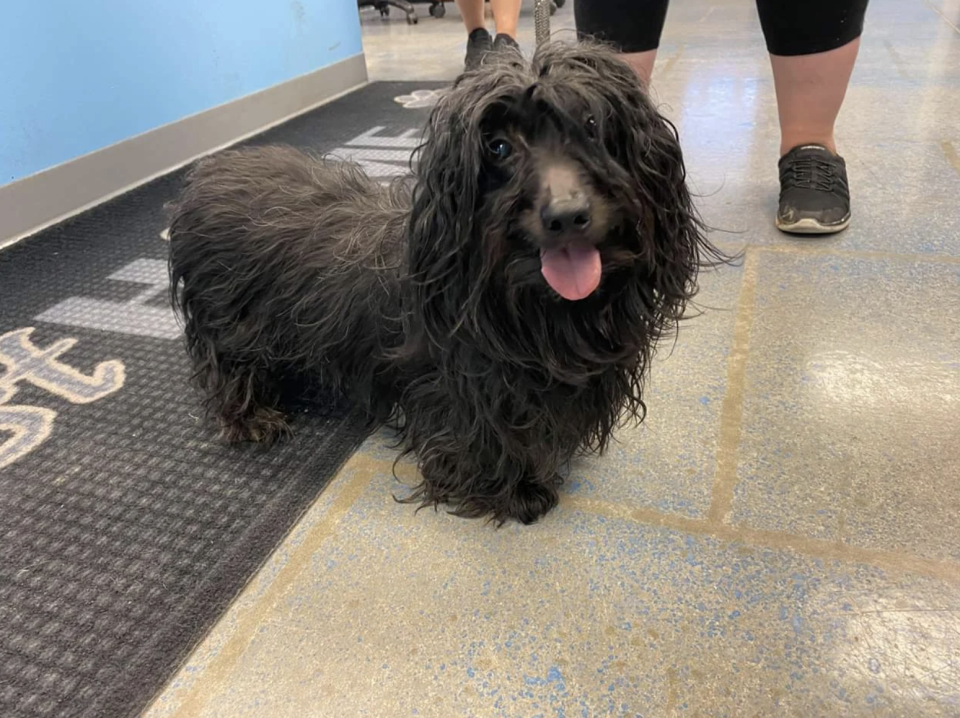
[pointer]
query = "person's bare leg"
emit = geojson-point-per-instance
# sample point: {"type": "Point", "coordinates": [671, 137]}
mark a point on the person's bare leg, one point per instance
{"type": "Point", "coordinates": [810, 91]}
{"type": "Point", "coordinates": [506, 15]}
{"type": "Point", "coordinates": [633, 26]}
{"type": "Point", "coordinates": [814, 190]}
{"type": "Point", "coordinates": [642, 63]}
{"type": "Point", "coordinates": [472, 13]}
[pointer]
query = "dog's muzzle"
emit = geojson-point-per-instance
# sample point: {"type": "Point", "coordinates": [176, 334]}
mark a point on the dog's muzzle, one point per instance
{"type": "Point", "coordinates": [569, 259]}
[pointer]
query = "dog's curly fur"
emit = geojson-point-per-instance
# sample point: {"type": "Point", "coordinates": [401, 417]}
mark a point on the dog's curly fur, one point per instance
{"type": "Point", "coordinates": [424, 301]}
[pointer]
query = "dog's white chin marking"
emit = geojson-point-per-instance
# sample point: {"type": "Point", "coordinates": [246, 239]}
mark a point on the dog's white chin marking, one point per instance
{"type": "Point", "coordinates": [573, 271]}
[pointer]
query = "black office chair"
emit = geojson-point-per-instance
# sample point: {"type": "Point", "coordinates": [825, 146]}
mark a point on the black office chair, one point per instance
{"type": "Point", "coordinates": [437, 7]}
{"type": "Point", "coordinates": [384, 7]}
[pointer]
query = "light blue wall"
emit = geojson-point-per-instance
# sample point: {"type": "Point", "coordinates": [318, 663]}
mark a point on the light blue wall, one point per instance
{"type": "Point", "coordinates": [79, 75]}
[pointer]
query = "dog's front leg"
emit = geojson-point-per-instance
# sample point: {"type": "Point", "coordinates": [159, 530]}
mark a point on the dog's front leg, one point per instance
{"type": "Point", "coordinates": [484, 481]}
{"type": "Point", "coordinates": [533, 497]}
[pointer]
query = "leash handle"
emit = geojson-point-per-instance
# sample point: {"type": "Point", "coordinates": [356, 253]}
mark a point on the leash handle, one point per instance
{"type": "Point", "coordinates": [541, 20]}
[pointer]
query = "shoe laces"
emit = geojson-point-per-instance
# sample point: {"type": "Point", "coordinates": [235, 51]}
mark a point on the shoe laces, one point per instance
{"type": "Point", "coordinates": [810, 172]}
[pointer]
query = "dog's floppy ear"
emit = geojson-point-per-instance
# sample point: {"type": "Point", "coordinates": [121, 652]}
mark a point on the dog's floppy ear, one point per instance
{"type": "Point", "coordinates": [674, 242]}
{"type": "Point", "coordinates": [646, 146]}
{"type": "Point", "coordinates": [442, 220]}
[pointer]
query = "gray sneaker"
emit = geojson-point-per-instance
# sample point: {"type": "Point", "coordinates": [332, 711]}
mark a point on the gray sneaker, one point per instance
{"type": "Point", "coordinates": [504, 42]}
{"type": "Point", "coordinates": [479, 43]}
{"type": "Point", "coordinates": [814, 193]}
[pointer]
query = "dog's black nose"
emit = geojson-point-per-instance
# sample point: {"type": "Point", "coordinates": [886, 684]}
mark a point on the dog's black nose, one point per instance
{"type": "Point", "coordinates": [566, 216]}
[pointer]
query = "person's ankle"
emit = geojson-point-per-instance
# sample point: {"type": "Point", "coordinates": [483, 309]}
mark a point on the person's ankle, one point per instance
{"type": "Point", "coordinates": [788, 144]}
{"type": "Point", "coordinates": [642, 63]}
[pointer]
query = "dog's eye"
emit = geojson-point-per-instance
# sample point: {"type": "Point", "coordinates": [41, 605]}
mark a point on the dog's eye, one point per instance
{"type": "Point", "coordinates": [500, 149]}
{"type": "Point", "coordinates": [591, 126]}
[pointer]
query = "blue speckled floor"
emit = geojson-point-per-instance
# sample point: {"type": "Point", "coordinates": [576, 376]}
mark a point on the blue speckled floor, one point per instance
{"type": "Point", "coordinates": [781, 538]}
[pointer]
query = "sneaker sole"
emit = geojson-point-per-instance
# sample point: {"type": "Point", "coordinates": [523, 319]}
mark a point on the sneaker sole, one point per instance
{"type": "Point", "coordinates": [812, 226]}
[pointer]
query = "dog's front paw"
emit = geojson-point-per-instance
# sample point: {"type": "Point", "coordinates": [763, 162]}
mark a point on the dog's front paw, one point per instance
{"type": "Point", "coordinates": [263, 425]}
{"type": "Point", "coordinates": [531, 500]}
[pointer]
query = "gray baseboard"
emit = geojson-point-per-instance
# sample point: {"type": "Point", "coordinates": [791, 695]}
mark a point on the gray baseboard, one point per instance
{"type": "Point", "coordinates": [38, 201]}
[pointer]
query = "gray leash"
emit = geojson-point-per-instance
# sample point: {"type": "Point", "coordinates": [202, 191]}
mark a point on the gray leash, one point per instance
{"type": "Point", "coordinates": [541, 20]}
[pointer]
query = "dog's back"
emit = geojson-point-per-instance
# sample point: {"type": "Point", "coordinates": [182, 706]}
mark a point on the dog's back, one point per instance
{"type": "Point", "coordinates": [281, 262]}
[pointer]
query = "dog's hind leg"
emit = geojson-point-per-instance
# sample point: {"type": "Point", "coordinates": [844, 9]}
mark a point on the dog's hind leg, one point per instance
{"type": "Point", "coordinates": [244, 401]}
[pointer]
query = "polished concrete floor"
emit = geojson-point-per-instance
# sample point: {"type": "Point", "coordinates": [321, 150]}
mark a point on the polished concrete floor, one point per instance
{"type": "Point", "coordinates": [781, 538]}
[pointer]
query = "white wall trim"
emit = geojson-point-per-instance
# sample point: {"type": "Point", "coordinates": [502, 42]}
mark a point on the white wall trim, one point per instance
{"type": "Point", "coordinates": [33, 203]}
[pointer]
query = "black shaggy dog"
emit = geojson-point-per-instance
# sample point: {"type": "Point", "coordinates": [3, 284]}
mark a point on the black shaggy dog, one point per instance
{"type": "Point", "coordinates": [501, 305]}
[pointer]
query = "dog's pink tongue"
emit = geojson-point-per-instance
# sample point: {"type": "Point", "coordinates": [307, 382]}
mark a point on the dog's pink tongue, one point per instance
{"type": "Point", "coordinates": [573, 271]}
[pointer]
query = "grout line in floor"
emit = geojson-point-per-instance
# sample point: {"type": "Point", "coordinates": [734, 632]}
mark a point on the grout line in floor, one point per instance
{"type": "Point", "coordinates": [854, 253]}
{"type": "Point", "coordinates": [772, 540]}
{"type": "Point", "coordinates": [902, 562]}
{"type": "Point", "coordinates": [731, 413]}
{"type": "Point", "coordinates": [942, 16]}
{"type": "Point", "coordinates": [360, 469]}
{"type": "Point", "coordinates": [365, 467]}
{"type": "Point", "coordinates": [671, 62]}
{"type": "Point", "coordinates": [897, 60]}
{"type": "Point", "coordinates": [951, 152]}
